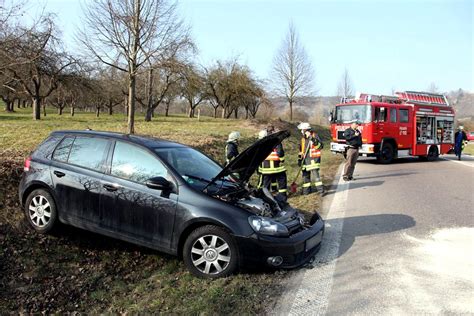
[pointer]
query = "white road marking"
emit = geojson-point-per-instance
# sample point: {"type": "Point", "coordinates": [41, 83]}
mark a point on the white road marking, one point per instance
{"type": "Point", "coordinates": [312, 296]}
{"type": "Point", "coordinates": [467, 163]}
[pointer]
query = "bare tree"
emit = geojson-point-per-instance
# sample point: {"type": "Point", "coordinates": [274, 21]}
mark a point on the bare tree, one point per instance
{"type": "Point", "coordinates": [433, 88]}
{"type": "Point", "coordinates": [292, 69]}
{"type": "Point", "coordinates": [126, 34]}
{"type": "Point", "coordinates": [193, 88]}
{"type": "Point", "coordinates": [345, 88]}
{"type": "Point", "coordinates": [37, 62]}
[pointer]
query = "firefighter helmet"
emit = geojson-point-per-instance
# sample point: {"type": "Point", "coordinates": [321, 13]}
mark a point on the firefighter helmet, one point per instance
{"type": "Point", "coordinates": [263, 133]}
{"type": "Point", "coordinates": [233, 136]}
{"type": "Point", "coordinates": [304, 126]}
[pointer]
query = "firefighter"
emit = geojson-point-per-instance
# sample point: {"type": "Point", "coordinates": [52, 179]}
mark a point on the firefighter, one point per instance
{"type": "Point", "coordinates": [309, 159]}
{"type": "Point", "coordinates": [353, 141]}
{"type": "Point", "coordinates": [272, 170]}
{"type": "Point", "coordinates": [460, 140]}
{"type": "Point", "coordinates": [232, 147]}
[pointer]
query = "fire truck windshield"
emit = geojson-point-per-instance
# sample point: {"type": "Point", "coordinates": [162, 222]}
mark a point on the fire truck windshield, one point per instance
{"type": "Point", "coordinates": [347, 113]}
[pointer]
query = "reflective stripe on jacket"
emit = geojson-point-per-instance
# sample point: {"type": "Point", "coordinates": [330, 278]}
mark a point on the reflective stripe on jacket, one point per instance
{"type": "Point", "coordinates": [313, 153]}
{"type": "Point", "coordinates": [274, 162]}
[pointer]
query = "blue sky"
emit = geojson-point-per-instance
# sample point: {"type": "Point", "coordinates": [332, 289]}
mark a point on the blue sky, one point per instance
{"type": "Point", "coordinates": [385, 45]}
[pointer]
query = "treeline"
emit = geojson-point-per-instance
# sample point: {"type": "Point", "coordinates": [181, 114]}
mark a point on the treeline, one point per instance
{"type": "Point", "coordinates": [137, 55]}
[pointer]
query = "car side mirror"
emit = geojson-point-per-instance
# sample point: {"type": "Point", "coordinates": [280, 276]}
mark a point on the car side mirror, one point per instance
{"type": "Point", "coordinates": [158, 183]}
{"type": "Point", "coordinates": [331, 117]}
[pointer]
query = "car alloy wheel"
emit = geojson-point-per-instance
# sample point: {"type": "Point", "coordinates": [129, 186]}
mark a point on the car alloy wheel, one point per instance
{"type": "Point", "coordinates": [40, 210]}
{"type": "Point", "coordinates": [210, 252]}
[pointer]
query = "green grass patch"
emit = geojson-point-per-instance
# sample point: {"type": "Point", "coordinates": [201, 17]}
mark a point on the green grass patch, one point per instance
{"type": "Point", "coordinates": [469, 149]}
{"type": "Point", "coordinates": [78, 271]}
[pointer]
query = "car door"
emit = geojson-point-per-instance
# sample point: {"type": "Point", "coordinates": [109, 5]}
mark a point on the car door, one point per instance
{"type": "Point", "coordinates": [131, 208]}
{"type": "Point", "coordinates": [77, 167]}
{"type": "Point", "coordinates": [405, 128]}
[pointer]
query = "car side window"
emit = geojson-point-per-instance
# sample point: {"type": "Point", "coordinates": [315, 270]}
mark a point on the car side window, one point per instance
{"type": "Point", "coordinates": [88, 152]}
{"type": "Point", "coordinates": [380, 114]}
{"type": "Point", "coordinates": [393, 115]}
{"type": "Point", "coordinates": [404, 116]}
{"type": "Point", "coordinates": [133, 163]}
{"type": "Point", "coordinates": [61, 153]}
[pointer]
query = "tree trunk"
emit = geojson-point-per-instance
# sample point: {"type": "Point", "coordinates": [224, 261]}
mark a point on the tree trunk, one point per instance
{"type": "Point", "coordinates": [97, 112]}
{"type": "Point", "coordinates": [167, 108]}
{"type": "Point", "coordinates": [291, 110]}
{"type": "Point", "coordinates": [72, 111]}
{"type": "Point", "coordinates": [18, 104]}
{"type": "Point", "coordinates": [24, 104]}
{"type": "Point", "coordinates": [223, 112]}
{"type": "Point", "coordinates": [149, 114]}
{"type": "Point", "coordinates": [36, 108]}
{"type": "Point", "coordinates": [215, 112]}
{"type": "Point", "coordinates": [44, 109]}
{"type": "Point", "coordinates": [131, 101]}
{"type": "Point", "coordinates": [9, 106]}
{"type": "Point", "coordinates": [60, 110]}
{"type": "Point", "coordinates": [246, 113]}
{"type": "Point", "coordinates": [111, 111]}
{"type": "Point", "coordinates": [236, 113]}
{"type": "Point", "coordinates": [191, 112]}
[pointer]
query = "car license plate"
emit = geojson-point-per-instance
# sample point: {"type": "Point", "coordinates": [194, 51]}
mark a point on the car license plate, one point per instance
{"type": "Point", "coordinates": [313, 241]}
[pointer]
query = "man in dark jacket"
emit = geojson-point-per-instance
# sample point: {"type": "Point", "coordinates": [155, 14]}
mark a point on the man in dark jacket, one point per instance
{"type": "Point", "coordinates": [353, 141]}
{"type": "Point", "coordinates": [460, 139]}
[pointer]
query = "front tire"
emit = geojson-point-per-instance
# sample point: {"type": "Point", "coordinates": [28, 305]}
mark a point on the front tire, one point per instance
{"type": "Point", "coordinates": [210, 252]}
{"type": "Point", "coordinates": [40, 211]}
{"type": "Point", "coordinates": [386, 154]}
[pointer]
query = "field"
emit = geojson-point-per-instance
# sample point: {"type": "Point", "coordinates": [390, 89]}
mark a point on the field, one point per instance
{"type": "Point", "coordinates": [469, 149]}
{"type": "Point", "coordinates": [78, 271]}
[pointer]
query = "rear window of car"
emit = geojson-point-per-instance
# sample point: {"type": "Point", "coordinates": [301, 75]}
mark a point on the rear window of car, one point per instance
{"type": "Point", "coordinates": [46, 148]}
{"type": "Point", "coordinates": [88, 152]}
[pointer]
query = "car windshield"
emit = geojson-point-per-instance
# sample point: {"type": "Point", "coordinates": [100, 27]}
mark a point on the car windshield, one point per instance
{"type": "Point", "coordinates": [192, 165]}
{"type": "Point", "coordinates": [347, 113]}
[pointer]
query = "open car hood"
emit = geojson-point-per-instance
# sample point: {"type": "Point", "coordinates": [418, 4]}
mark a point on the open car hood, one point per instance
{"type": "Point", "coordinates": [248, 161]}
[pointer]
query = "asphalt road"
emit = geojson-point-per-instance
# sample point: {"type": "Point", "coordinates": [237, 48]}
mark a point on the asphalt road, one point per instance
{"type": "Point", "coordinates": [399, 241]}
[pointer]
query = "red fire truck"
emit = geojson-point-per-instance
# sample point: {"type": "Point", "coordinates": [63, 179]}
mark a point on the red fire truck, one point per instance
{"type": "Point", "coordinates": [407, 124]}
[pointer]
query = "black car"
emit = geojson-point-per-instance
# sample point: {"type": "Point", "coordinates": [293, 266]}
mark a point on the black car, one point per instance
{"type": "Point", "coordinates": [168, 197]}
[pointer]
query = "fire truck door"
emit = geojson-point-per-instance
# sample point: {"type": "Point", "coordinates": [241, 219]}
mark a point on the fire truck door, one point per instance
{"type": "Point", "coordinates": [405, 128]}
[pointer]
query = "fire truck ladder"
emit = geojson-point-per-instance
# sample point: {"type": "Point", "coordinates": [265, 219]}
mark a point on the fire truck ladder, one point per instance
{"type": "Point", "coordinates": [423, 98]}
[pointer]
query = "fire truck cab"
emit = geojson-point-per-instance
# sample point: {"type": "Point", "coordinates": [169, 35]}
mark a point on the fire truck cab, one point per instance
{"type": "Point", "coordinates": [407, 124]}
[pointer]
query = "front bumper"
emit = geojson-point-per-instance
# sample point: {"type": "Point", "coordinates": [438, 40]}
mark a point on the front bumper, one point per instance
{"type": "Point", "coordinates": [295, 250]}
{"type": "Point", "coordinates": [365, 150]}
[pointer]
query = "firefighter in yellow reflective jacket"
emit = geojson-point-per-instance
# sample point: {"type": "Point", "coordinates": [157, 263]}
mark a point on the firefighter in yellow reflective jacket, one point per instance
{"type": "Point", "coordinates": [272, 170]}
{"type": "Point", "coordinates": [310, 159]}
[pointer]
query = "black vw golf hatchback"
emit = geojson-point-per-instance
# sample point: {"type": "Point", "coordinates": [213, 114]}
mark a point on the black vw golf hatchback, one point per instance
{"type": "Point", "coordinates": [168, 197]}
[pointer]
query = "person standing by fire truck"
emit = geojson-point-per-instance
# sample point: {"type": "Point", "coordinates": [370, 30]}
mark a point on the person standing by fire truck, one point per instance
{"type": "Point", "coordinates": [460, 139]}
{"type": "Point", "coordinates": [353, 141]}
{"type": "Point", "coordinates": [272, 170]}
{"type": "Point", "coordinates": [309, 158]}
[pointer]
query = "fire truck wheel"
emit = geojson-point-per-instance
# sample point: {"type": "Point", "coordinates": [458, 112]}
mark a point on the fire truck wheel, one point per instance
{"type": "Point", "coordinates": [433, 153]}
{"type": "Point", "coordinates": [386, 154]}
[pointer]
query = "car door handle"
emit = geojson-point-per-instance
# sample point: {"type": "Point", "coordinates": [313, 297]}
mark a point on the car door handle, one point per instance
{"type": "Point", "coordinates": [110, 187]}
{"type": "Point", "coordinates": [59, 174]}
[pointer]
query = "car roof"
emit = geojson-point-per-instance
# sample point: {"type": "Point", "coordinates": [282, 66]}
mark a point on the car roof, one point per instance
{"type": "Point", "coordinates": [147, 141]}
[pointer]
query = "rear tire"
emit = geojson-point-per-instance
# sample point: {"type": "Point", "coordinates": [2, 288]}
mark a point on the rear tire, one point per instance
{"type": "Point", "coordinates": [40, 211]}
{"type": "Point", "coordinates": [433, 153]}
{"type": "Point", "coordinates": [386, 154]}
{"type": "Point", "coordinates": [210, 252]}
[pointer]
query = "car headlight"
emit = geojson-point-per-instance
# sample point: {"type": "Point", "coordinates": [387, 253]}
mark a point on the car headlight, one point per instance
{"type": "Point", "coordinates": [266, 226]}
